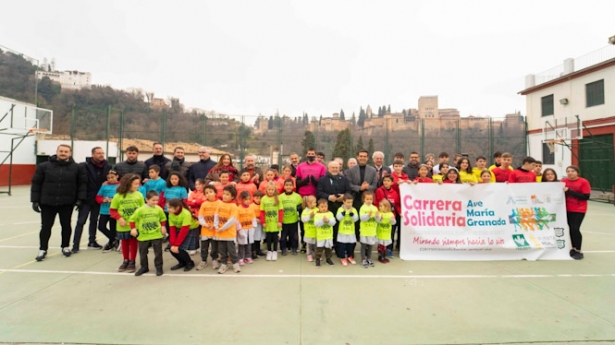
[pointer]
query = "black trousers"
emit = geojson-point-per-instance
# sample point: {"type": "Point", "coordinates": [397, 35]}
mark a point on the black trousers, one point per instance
{"type": "Point", "coordinates": [48, 216]}
{"type": "Point", "coordinates": [87, 209]}
{"type": "Point", "coordinates": [102, 226]}
{"type": "Point", "coordinates": [144, 250]}
{"type": "Point", "coordinates": [183, 257]}
{"type": "Point", "coordinates": [290, 236]}
{"type": "Point", "coordinates": [272, 241]}
{"type": "Point", "coordinates": [574, 223]}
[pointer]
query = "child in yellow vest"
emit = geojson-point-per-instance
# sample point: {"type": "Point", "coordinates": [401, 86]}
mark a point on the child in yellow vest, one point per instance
{"type": "Point", "coordinates": [367, 229]}
{"type": "Point", "coordinates": [307, 217]}
{"type": "Point", "coordinates": [386, 220]}
{"type": "Point", "coordinates": [347, 216]}
{"type": "Point", "coordinates": [259, 234]}
{"type": "Point", "coordinates": [324, 221]}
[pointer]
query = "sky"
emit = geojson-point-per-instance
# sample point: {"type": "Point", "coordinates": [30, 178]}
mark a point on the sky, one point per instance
{"type": "Point", "coordinates": [259, 57]}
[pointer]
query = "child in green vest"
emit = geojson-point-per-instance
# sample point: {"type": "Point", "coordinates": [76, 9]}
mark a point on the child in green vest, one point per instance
{"type": "Point", "coordinates": [324, 221]}
{"type": "Point", "coordinates": [307, 217]}
{"type": "Point", "coordinates": [347, 216]}
{"type": "Point", "coordinates": [184, 231]}
{"type": "Point", "coordinates": [148, 225]}
{"type": "Point", "coordinates": [386, 220]}
{"type": "Point", "coordinates": [367, 229]}
{"type": "Point", "coordinates": [123, 205]}
{"type": "Point", "coordinates": [290, 222]}
{"type": "Point", "coordinates": [271, 217]}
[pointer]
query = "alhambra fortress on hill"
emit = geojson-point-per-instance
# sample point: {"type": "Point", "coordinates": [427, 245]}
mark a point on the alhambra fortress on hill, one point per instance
{"type": "Point", "coordinates": [434, 119]}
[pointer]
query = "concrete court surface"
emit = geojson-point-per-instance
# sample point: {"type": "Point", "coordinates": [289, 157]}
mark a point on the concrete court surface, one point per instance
{"type": "Point", "coordinates": [83, 299]}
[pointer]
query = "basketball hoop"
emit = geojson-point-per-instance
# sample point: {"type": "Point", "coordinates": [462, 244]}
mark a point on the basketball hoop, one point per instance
{"type": "Point", "coordinates": [551, 144]}
{"type": "Point", "coordinates": [39, 133]}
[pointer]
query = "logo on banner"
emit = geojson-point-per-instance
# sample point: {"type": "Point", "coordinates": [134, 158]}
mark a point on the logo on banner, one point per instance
{"type": "Point", "coordinates": [531, 218]}
{"type": "Point", "coordinates": [520, 240]}
{"type": "Point", "coordinates": [559, 232]}
{"type": "Point", "coordinates": [561, 244]}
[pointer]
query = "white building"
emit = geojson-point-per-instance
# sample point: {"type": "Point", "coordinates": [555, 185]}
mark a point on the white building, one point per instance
{"type": "Point", "coordinates": [69, 80]}
{"type": "Point", "coordinates": [585, 87]}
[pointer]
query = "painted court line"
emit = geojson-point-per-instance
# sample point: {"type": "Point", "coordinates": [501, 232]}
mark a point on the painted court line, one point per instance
{"type": "Point", "coordinates": [324, 276]}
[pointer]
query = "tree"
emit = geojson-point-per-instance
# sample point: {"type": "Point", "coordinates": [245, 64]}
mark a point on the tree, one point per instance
{"type": "Point", "coordinates": [359, 146]}
{"type": "Point", "coordinates": [47, 89]}
{"type": "Point", "coordinates": [320, 120]}
{"type": "Point", "coordinates": [361, 121]}
{"type": "Point", "coordinates": [370, 149]}
{"type": "Point", "coordinates": [353, 120]}
{"type": "Point", "coordinates": [308, 142]}
{"type": "Point", "coordinates": [270, 123]}
{"type": "Point", "coordinates": [343, 146]}
{"type": "Point", "coordinates": [379, 111]}
{"type": "Point", "coordinates": [306, 120]}
{"type": "Point", "coordinates": [389, 109]}
{"type": "Point", "coordinates": [342, 116]}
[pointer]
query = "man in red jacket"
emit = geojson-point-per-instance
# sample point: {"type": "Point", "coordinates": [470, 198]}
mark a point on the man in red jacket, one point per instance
{"type": "Point", "coordinates": [525, 173]}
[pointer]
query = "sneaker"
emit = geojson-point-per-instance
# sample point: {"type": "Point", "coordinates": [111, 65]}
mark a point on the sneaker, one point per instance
{"type": "Point", "coordinates": [189, 267]}
{"type": "Point", "coordinates": [254, 256]}
{"type": "Point", "coordinates": [109, 247]}
{"type": "Point", "coordinates": [158, 271]}
{"type": "Point", "coordinates": [75, 250]}
{"type": "Point", "coordinates": [381, 259]}
{"type": "Point", "coordinates": [131, 268]}
{"type": "Point", "coordinates": [41, 255]}
{"type": "Point", "coordinates": [303, 250]}
{"type": "Point", "coordinates": [310, 258]}
{"type": "Point", "coordinates": [578, 255]}
{"type": "Point", "coordinates": [240, 263]}
{"type": "Point", "coordinates": [123, 266]}
{"type": "Point", "coordinates": [167, 248]}
{"type": "Point", "coordinates": [215, 265]}
{"type": "Point", "coordinates": [370, 262]}
{"type": "Point", "coordinates": [390, 253]}
{"type": "Point", "coordinates": [386, 261]}
{"type": "Point", "coordinates": [274, 256]}
{"type": "Point", "coordinates": [248, 261]}
{"type": "Point", "coordinates": [364, 263]}
{"type": "Point", "coordinates": [330, 263]}
{"type": "Point", "coordinates": [284, 253]}
{"type": "Point", "coordinates": [141, 271]}
{"type": "Point", "coordinates": [66, 252]}
{"type": "Point", "coordinates": [351, 260]}
{"type": "Point", "coordinates": [236, 268]}
{"type": "Point", "coordinates": [222, 269]}
{"type": "Point", "coordinates": [201, 265]}
{"type": "Point", "coordinates": [317, 263]}
{"type": "Point", "coordinates": [269, 256]}
{"type": "Point", "coordinates": [294, 252]}
{"type": "Point", "coordinates": [178, 266]}
{"type": "Point", "coordinates": [94, 245]}
{"type": "Point", "coordinates": [344, 262]}
{"type": "Point", "coordinates": [192, 252]}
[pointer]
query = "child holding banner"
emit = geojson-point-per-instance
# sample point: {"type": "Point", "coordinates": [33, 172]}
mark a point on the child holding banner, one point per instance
{"type": "Point", "coordinates": [452, 176]}
{"type": "Point", "coordinates": [486, 177]}
{"type": "Point", "coordinates": [443, 170]}
{"type": "Point", "coordinates": [549, 175]}
{"type": "Point", "coordinates": [367, 229]}
{"type": "Point", "coordinates": [423, 172]}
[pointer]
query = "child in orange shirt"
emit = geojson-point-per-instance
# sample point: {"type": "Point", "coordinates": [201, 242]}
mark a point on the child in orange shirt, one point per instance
{"type": "Point", "coordinates": [207, 219]}
{"type": "Point", "coordinates": [269, 177]}
{"type": "Point", "coordinates": [226, 231]}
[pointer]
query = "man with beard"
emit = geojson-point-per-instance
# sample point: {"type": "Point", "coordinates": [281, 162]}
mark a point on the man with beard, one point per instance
{"type": "Point", "coordinates": [131, 165]}
{"type": "Point", "coordinates": [294, 163]}
{"type": "Point", "coordinates": [362, 178]}
{"type": "Point", "coordinates": [412, 169]}
{"type": "Point", "coordinates": [58, 185]}
{"type": "Point", "coordinates": [96, 168]}
{"type": "Point", "coordinates": [158, 159]}
{"type": "Point", "coordinates": [178, 163]}
{"type": "Point", "coordinates": [201, 168]}
{"type": "Point", "coordinates": [256, 174]}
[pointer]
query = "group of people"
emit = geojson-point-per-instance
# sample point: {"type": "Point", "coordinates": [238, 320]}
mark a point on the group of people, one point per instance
{"type": "Point", "coordinates": [305, 207]}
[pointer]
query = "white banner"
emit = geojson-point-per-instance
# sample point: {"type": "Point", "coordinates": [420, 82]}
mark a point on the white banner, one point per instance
{"type": "Point", "coordinates": [494, 221]}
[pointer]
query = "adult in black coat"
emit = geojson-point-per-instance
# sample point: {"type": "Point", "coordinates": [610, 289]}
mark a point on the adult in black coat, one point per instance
{"type": "Point", "coordinates": [412, 169]}
{"type": "Point", "coordinates": [96, 168]}
{"type": "Point", "coordinates": [201, 168]}
{"type": "Point", "coordinates": [132, 165]}
{"type": "Point", "coordinates": [332, 187]}
{"type": "Point", "coordinates": [158, 159]}
{"type": "Point", "coordinates": [58, 185]}
{"type": "Point", "coordinates": [381, 169]}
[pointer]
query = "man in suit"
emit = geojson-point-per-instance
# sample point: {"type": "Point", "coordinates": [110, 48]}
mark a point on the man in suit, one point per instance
{"type": "Point", "coordinates": [361, 178]}
{"type": "Point", "coordinates": [381, 169]}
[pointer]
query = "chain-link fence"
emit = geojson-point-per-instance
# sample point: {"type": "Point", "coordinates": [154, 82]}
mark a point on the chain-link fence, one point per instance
{"type": "Point", "coordinates": [273, 139]}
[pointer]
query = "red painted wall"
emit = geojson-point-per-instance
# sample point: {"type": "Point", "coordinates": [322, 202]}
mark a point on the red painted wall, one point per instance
{"type": "Point", "coordinates": [22, 174]}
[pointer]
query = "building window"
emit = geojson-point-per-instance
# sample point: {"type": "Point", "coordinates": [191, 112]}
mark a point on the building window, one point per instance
{"type": "Point", "coordinates": [594, 93]}
{"type": "Point", "coordinates": [547, 105]}
{"type": "Point", "coordinates": [547, 156]}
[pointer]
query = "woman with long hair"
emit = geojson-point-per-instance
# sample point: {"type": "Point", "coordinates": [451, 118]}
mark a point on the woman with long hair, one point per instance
{"type": "Point", "coordinates": [224, 164]}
